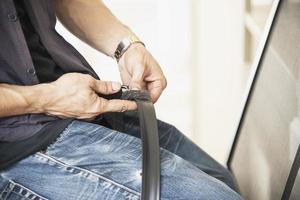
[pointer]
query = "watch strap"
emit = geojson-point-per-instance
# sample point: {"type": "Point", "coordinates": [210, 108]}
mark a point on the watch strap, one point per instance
{"type": "Point", "coordinates": [125, 44]}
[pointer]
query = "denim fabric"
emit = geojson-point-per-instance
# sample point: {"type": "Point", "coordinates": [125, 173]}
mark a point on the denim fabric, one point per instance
{"type": "Point", "coordinates": [89, 161]}
{"type": "Point", "coordinates": [174, 141]}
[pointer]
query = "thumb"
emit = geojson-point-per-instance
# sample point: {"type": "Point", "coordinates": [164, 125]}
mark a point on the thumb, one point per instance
{"type": "Point", "coordinates": [105, 87]}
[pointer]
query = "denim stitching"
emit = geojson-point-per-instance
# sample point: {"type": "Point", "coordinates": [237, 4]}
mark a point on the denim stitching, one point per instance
{"type": "Point", "coordinates": [9, 188]}
{"type": "Point", "coordinates": [60, 137]}
{"type": "Point", "coordinates": [89, 172]}
{"type": "Point", "coordinates": [5, 190]}
{"type": "Point", "coordinates": [20, 195]}
{"type": "Point", "coordinates": [27, 190]}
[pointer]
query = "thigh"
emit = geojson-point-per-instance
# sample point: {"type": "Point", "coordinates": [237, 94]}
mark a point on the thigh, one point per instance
{"type": "Point", "coordinates": [171, 139]}
{"type": "Point", "coordinates": [119, 156]}
{"type": "Point", "coordinates": [92, 162]}
{"type": "Point", "coordinates": [41, 177]}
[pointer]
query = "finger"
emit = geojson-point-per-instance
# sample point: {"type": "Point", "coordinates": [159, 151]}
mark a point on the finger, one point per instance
{"type": "Point", "coordinates": [156, 81]}
{"type": "Point", "coordinates": [105, 87]}
{"type": "Point", "coordinates": [156, 88]}
{"type": "Point", "coordinates": [117, 106]}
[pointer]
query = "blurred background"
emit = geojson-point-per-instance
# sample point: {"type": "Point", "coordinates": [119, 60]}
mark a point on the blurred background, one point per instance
{"type": "Point", "coordinates": [205, 48]}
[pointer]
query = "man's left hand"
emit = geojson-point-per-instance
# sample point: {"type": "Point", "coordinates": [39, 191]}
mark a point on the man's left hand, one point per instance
{"type": "Point", "coordinates": [140, 70]}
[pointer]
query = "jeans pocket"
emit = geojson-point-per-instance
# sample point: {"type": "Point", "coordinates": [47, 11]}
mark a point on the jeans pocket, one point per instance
{"type": "Point", "coordinates": [15, 191]}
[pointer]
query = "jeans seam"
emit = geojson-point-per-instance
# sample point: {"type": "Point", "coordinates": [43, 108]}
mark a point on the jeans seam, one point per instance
{"type": "Point", "coordinates": [5, 190]}
{"type": "Point", "coordinates": [65, 132]}
{"type": "Point", "coordinates": [26, 189]}
{"type": "Point", "coordinates": [90, 173]}
{"type": "Point", "coordinates": [20, 195]}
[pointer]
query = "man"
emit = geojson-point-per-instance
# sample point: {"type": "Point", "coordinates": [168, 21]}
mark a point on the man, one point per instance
{"type": "Point", "coordinates": [54, 142]}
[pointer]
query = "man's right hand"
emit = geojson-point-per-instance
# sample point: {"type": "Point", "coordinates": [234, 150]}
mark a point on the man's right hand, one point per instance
{"type": "Point", "coordinates": [75, 95]}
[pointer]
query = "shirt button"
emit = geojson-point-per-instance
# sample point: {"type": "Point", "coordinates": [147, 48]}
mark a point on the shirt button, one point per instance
{"type": "Point", "coordinates": [31, 71]}
{"type": "Point", "coordinates": [12, 17]}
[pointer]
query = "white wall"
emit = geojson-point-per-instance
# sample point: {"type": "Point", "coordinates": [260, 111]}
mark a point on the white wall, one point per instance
{"type": "Point", "coordinates": [220, 74]}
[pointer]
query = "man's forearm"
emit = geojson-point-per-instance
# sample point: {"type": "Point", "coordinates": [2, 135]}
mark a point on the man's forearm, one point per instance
{"type": "Point", "coordinates": [92, 22]}
{"type": "Point", "coordinates": [18, 100]}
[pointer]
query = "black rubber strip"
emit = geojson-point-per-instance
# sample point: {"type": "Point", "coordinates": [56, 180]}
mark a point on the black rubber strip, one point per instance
{"type": "Point", "coordinates": [150, 140]}
{"type": "Point", "coordinates": [292, 177]}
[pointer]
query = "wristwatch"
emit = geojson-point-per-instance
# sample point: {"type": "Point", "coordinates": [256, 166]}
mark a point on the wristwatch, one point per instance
{"type": "Point", "coordinates": [125, 44]}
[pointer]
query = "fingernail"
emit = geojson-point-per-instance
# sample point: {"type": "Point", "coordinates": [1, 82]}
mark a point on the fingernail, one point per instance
{"type": "Point", "coordinates": [115, 86]}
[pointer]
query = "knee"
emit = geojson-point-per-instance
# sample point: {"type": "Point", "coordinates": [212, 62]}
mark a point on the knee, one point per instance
{"type": "Point", "coordinates": [167, 130]}
{"type": "Point", "coordinates": [182, 180]}
{"type": "Point", "coordinates": [226, 177]}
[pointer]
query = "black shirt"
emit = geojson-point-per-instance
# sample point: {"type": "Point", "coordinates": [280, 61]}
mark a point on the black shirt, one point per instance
{"type": "Point", "coordinates": [46, 70]}
{"type": "Point", "coordinates": [17, 68]}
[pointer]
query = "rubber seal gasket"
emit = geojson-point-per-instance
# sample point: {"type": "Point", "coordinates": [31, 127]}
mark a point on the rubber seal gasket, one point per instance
{"type": "Point", "coordinates": [150, 139]}
{"type": "Point", "coordinates": [150, 143]}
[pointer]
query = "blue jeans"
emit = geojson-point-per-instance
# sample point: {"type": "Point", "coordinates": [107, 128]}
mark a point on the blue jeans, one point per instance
{"type": "Point", "coordinates": [89, 161]}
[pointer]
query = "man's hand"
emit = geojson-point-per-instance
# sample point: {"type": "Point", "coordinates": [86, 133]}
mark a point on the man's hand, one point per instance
{"type": "Point", "coordinates": [140, 70]}
{"type": "Point", "coordinates": [74, 95]}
